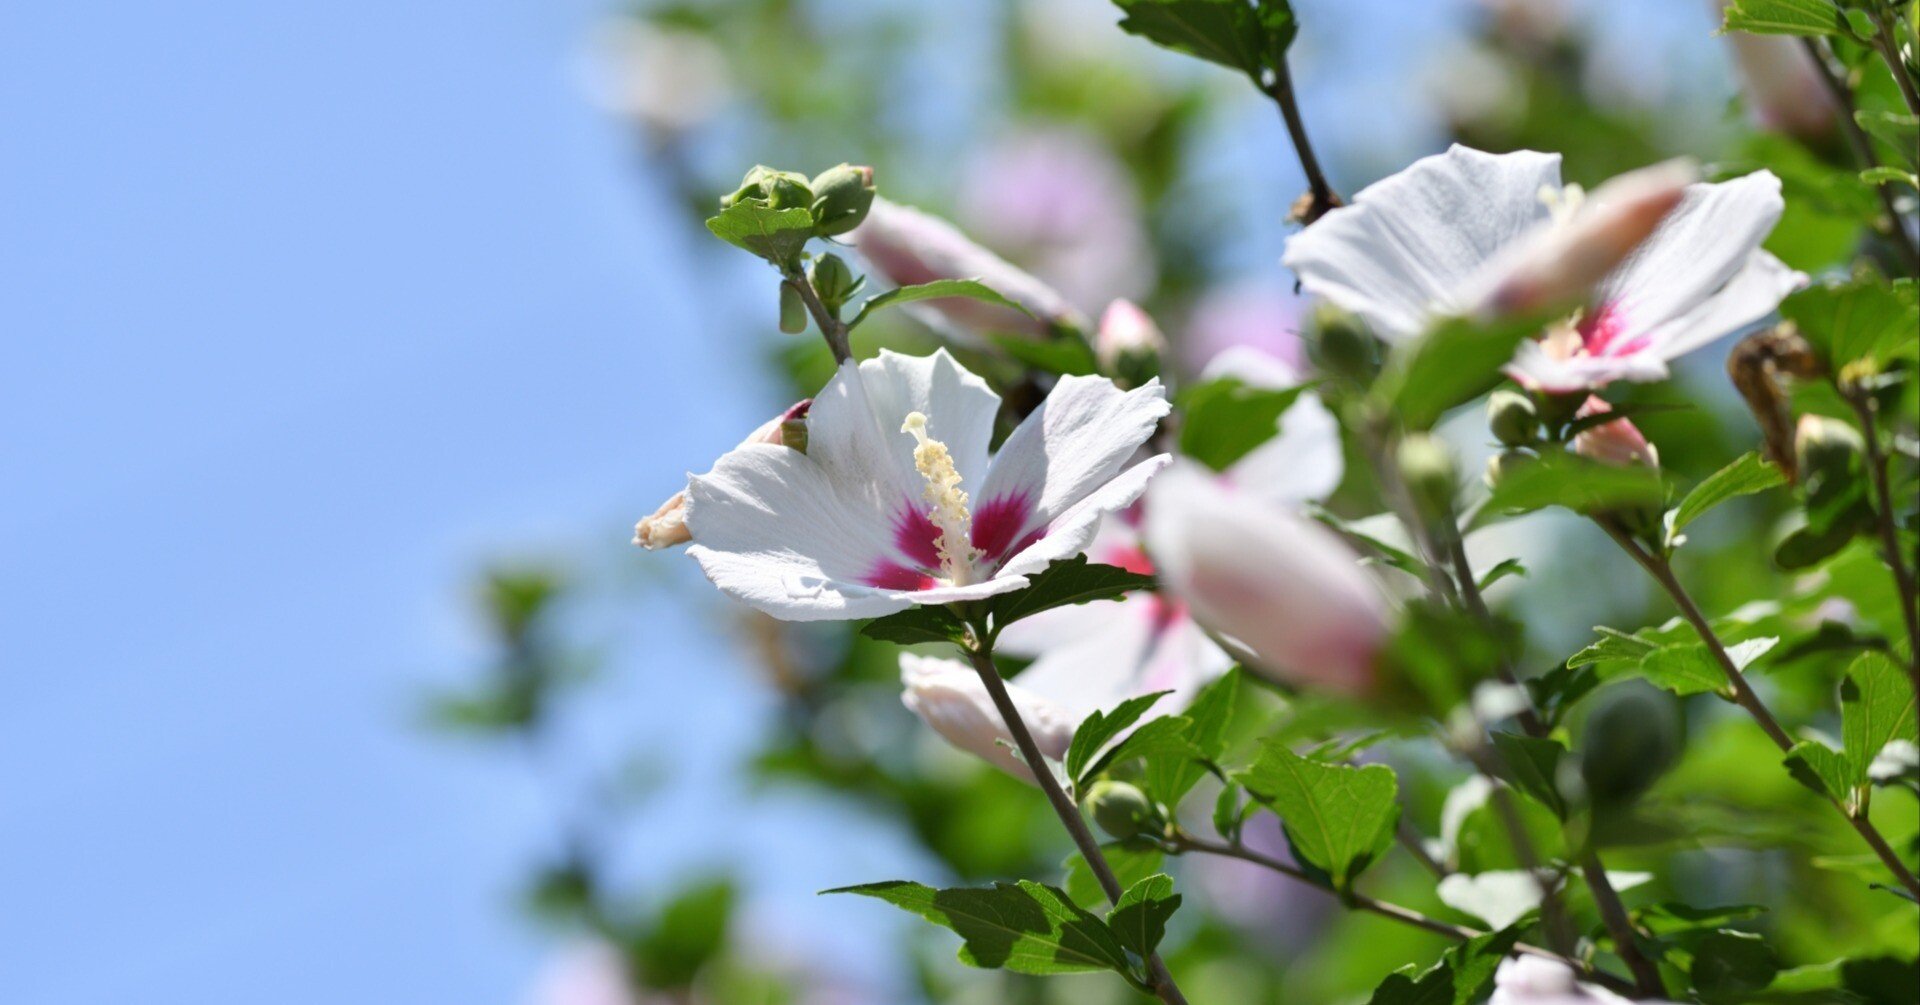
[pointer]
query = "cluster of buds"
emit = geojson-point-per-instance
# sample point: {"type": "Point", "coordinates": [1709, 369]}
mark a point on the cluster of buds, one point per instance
{"type": "Point", "coordinates": [838, 198]}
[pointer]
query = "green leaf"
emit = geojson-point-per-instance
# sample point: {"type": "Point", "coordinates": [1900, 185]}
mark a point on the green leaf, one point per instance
{"type": "Point", "coordinates": [1162, 740]}
{"type": "Point", "coordinates": [916, 625]}
{"type": "Point", "coordinates": [1067, 356]}
{"type": "Point", "coordinates": [1139, 920]}
{"type": "Point", "coordinates": [1862, 319]}
{"type": "Point", "coordinates": [1130, 865]}
{"type": "Point", "coordinates": [1884, 175]}
{"type": "Point", "coordinates": [1685, 669]}
{"type": "Point", "coordinates": [1898, 130]}
{"type": "Point", "coordinates": [1340, 817]}
{"type": "Point", "coordinates": [938, 289]}
{"type": "Point", "coordinates": [1822, 769]}
{"type": "Point", "coordinates": [1099, 729]}
{"type": "Point", "coordinates": [1237, 34]}
{"type": "Point", "coordinates": [1225, 419]}
{"type": "Point", "coordinates": [1024, 927]}
{"type": "Point", "coordinates": [1170, 778]}
{"type": "Point", "coordinates": [1613, 648]}
{"type": "Point", "coordinates": [1746, 475]}
{"type": "Point", "coordinates": [1463, 975]}
{"type": "Point", "coordinates": [1533, 766]}
{"type": "Point", "coordinates": [689, 931]}
{"type": "Point", "coordinates": [1877, 706]}
{"type": "Point", "coordinates": [1783, 17]}
{"type": "Point", "coordinates": [1730, 966]}
{"type": "Point", "coordinates": [776, 235]}
{"type": "Point", "coordinates": [1068, 581]}
{"type": "Point", "coordinates": [1505, 568]}
{"type": "Point", "coordinates": [1563, 479]}
{"type": "Point", "coordinates": [1669, 917]}
{"type": "Point", "coordinates": [1453, 363]}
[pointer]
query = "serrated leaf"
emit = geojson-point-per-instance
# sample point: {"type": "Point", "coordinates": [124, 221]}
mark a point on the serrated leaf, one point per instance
{"type": "Point", "coordinates": [1130, 864]}
{"type": "Point", "coordinates": [1170, 778]}
{"type": "Point", "coordinates": [972, 289]}
{"type": "Point", "coordinates": [1822, 769]}
{"type": "Point", "coordinates": [1463, 975]}
{"type": "Point", "coordinates": [916, 625]}
{"type": "Point", "coordinates": [1612, 648]}
{"type": "Point", "coordinates": [1024, 927]}
{"type": "Point", "coordinates": [1864, 318]}
{"type": "Point", "coordinates": [1163, 740]}
{"type": "Point", "coordinates": [776, 235]}
{"type": "Point", "coordinates": [1749, 473]}
{"type": "Point", "coordinates": [1809, 18]}
{"type": "Point", "coordinates": [1237, 34]}
{"type": "Point", "coordinates": [1139, 920]}
{"type": "Point", "coordinates": [1533, 766]}
{"type": "Point", "coordinates": [1340, 817]}
{"type": "Point", "coordinates": [1068, 581]}
{"type": "Point", "coordinates": [1223, 420]}
{"type": "Point", "coordinates": [1684, 669]}
{"type": "Point", "coordinates": [1877, 706]}
{"type": "Point", "coordinates": [1099, 729]}
{"type": "Point", "coordinates": [1454, 362]}
{"type": "Point", "coordinates": [1067, 356]}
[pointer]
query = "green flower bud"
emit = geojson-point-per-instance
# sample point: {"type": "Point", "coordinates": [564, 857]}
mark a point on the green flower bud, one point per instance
{"type": "Point", "coordinates": [1631, 738]}
{"type": "Point", "coordinates": [841, 197]}
{"type": "Point", "coordinates": [770, 188]}
{"type": "Point", "coordinates": [1828, 454]}
{"type": "Point", "coordinates": [833, 281]}
{"type": "Point", "coordinates": [1426, 465]}
{"type": "Point", "coordinates": [793, 310]}
{"type": "Point", "coordinates": [1122, 810]}
{"type": "Point", "coordinates": [1505, 463]}
{"type": "Point", "coordinates": [1512, 417]}
{"type": "Point", "coordinates": [1342, 346]}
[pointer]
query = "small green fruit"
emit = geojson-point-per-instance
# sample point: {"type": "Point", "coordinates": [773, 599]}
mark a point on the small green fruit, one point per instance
{"type": "Point", "coordinates": [1426, 465]}
{"type": "Point", "coordinates": [1512, 417]}
{"type": "Point", "coordinates": [841, 197]}
{"type": "Point", "coordinates": [1122, 810]}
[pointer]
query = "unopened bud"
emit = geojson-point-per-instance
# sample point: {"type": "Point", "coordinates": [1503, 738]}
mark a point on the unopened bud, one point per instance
{"type": "Point", "coordinates": [1502, 465]}
{"type": "Point", "coordinates": [1342, 346]}
{"type": "Point", "coordinates": [1125, 332]}
{"type": "Point", "coordinates": [833, 281]}
{"type": "Point", "coordinates": [1827, 453]}
{"type": "Point", "coordinates": [1426, 466]}
{"type": "Point", "coordinates": [773, 189]}
{"type": "Point", "coordinates": [1122, 810]}
{"type": "Point", "coordinates": [1617, 442]}
{"type": "Point", "coordinates": [1513, 418]}
{"type": "Point", "coordinates": [841, 197]}
{"type": "Point", "coordinates": [793, 310]}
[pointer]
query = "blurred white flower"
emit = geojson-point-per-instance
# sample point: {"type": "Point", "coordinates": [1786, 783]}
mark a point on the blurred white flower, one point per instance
{"type": "Point", "coordinates": [663, 79]}
{"type": "Point", "coordinates": [947, 695]}
{"type": "Point", "coordinates": [1261, 316]}
{"type": "Point", "coordinates": [898, 502]}
{"type": "Point", "coordinates": [1464, 232]}
{"type": "Point", "coordinates": [906, 247]}
{"type": "Point", "coordinates": [588, 974]}
{"type": "Point", "coordinates": [1059, 201]}
{"type": "Point", "coordinates": [1532, 980]}
{"type": "Point", "coordinates": [1781, 83]}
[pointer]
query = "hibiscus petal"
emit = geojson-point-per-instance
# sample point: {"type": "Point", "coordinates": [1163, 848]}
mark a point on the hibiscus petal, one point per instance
{"type": "Point", "coordinates": [1070, 533]}
{"type": "Point", "coordinates": [1407, 246]}
{"type": "Point", "coordinates": [1534, 367]}
{"type": "Point", "coordinates": [771, 530]}
{"type": "Point", "coordinates": [948, 696]}
{"type": "Point", "coordinates": [1075, 442]}
{"type": "Point", "coordinates": [1698, 248]}
{"type": "Point", "coordinates": [1303, 461]}
{"type": "Point", "coordinates": [1751, 296]}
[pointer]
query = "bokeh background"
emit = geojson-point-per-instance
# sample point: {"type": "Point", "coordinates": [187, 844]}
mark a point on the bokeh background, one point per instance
{"type": "Point", "coordinates": [345, 343]}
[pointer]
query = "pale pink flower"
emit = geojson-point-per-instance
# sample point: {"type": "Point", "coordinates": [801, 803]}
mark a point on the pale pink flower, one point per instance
{"type": "Point", "coordinates": [1782, 85]}
{"type": "Point", "coordinates": [947, 695]}
{"type": "Point", "coordinates": [1619, 443]}
{"type": "Point", "coordinates": [1258, 315]}
{"type": "Point", "coordinates": [906, 247]}
{"type": "Point", "coordinates": [589, 974]}
{"type": "Point", "coordinates": [1125, 329]}
{"type": "Point", "coordinates": [1460, 232]}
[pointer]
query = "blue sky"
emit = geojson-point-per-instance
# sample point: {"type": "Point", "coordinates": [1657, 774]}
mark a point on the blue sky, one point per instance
{"type": "Point", "coordinates": [306, 315]}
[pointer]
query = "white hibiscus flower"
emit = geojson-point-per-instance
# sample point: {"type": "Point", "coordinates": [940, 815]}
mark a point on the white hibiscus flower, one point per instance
{"type": "Point", "coordinates": [1436, 238]}
{"type": "Point", "coordinates": [897, 502]}
{"type": "Point", "coordinates": [948, 696]}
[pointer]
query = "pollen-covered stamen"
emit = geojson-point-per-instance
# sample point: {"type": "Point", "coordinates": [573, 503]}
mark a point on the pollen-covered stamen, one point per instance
{"type": "Point", "coordinates": [949, 512]}
{"type": "Point", "coordinates": [1563, 202]}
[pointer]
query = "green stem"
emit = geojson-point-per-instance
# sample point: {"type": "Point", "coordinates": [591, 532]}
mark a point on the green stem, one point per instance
{"type": "Point", "coordinates": [1903, 576]}
{"type": "Point", "coordinates": [1886, 41]}
{"type": "Point", "coordinates": [1321, 193]}
{"type": "Point", "coordinates": [831, 327]}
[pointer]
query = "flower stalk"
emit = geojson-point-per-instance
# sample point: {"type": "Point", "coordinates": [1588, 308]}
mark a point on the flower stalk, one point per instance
{"type": "Point", "coordinates": [1321, 196]}
{"type": "Point", "coordinates": [831, 327]}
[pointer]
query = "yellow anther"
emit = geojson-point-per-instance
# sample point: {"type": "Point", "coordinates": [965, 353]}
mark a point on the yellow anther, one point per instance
{"type": "Point", "coordinates": [1563, 202]}
{"type": "Point", "coordinates": [949, 513]}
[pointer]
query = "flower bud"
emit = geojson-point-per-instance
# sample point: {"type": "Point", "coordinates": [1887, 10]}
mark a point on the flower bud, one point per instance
{"type": "Point", "coordinates": [833, 281]}
{"type": "Point", "coordinates": [1561, 262]}
{"type": "Point", "coordinates": [772, 189]}
{"type": "Point", "coordinates": [668, 524]}
{"type": "Point", "coordinates": [1631, 738]}
{"type": "Point", "coordinates": [1618, 442]}
{"type": "Point", "coordinates": [1828, 454]}
{"type": "Point", "coordinates": [793, 310]}
{"type": "Point", "coordinates": [907, 247]}
{"type": "Point", "coordinates": [948, 696]}
{"type": "Point", "coordinates": [1426, 466]}
{"type": "Point", "coordinates": [1126, 332]}
{"type": "Point", "coordinates": [841, 197]}
{"type": "Point", "coordinates": [1342, 346]}
{"type": "Point", "coordinates": [1504, 464]}
{"type": "Point", "coordinates": [1122, 810]}
{"type": "Point", "coordinates": [1513, 418]}
{"type": "Point", "coordinates": [1281, 586]}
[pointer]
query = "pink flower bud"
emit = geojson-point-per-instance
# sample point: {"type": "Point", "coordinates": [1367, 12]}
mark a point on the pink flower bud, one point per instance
{"type": "Point", "coordinates": [1618, 443]}
{"type": "Point", "coordinates": [1125, 330]}
{"type": "Point", "coordinates": [907, 247]}
{"type": "Point", "coordinates": [668, 524]}
{"type": "Point", "coordinates": [1282, 586]}
{"type": "Point", "coordinates": [948, 696]}
{"type": "Point", "coordinates": [1562, 262]}
{"type": "Point", "coordinates": [1782, 85]}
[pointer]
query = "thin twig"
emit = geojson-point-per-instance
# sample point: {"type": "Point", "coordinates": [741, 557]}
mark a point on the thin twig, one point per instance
{"type": "Point", "coordinates": [1182, 842]}
{"type": "Point", "coordinates": [831, 327]}
{"type": "Point", "coordinates": [1862, 145]}
{"type": "Point", "coordinates": [1744, 696]}
{"type": "Point", "coordinates": [1885, 41]}
{"type": "Point", "coordinates": [1889, 535]}
{"type": "Point", "coordinates": [1322, 195]}
{"type": "Point", "coordinates": [1160, 981]}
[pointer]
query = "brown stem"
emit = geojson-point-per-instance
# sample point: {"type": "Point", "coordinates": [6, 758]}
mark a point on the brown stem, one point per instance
{"type": "Point", "coordinates": [1613, 914]}
{"type": "Point", "coordinates": [1404, 915]}
{"type": "Point", "coordinates": [831, 327]}
{"type": "Point", "coordinates": [1159, 979]}
{"type": "Point", "coordinates": [1744, 696]}
{"type": "Point", "coordinates": [1862, 145]}
{"type": "Point", "coordinates": [1322, 195]}
{"type": "Point", "coordinates": [1885, 40]}
{"type": "Point", "coordinates": [1889, 536]}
